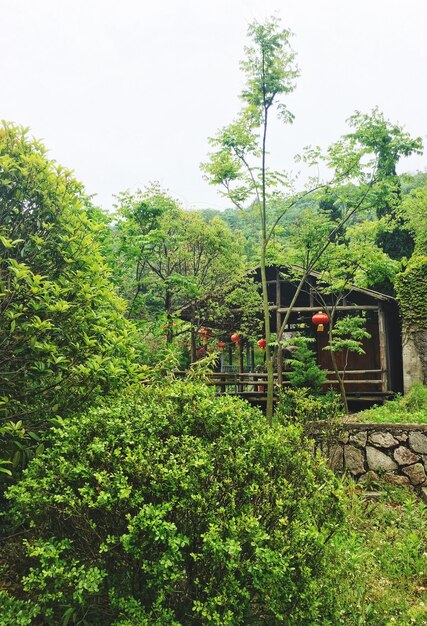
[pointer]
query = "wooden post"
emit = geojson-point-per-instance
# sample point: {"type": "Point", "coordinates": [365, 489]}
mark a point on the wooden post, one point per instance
{"type": "Point", "coordinates": [248, 356]}
{"type": "Point", "coordinates": [193, 347]}
{"type": "Point", "coordinates": [383, 350]}
{"type": "Point", "coordinates": [241, 367]}
{"type": "Point", "coordinates": [222, 387]}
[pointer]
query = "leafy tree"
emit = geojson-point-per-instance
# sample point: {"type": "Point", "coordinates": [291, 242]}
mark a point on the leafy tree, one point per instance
{"type": "Point", "coordinates": [63, 333]}
{"type": "Point", "coordinates": [388, 143]}
{"type": "Point", "coordinates": [171, 260]}
{"type": "Point", "coordinates": [180, 509]}
{"type": "Point", "coordinates": [360, 162]}
{"type": "Point", "coordinates": [270, 71]}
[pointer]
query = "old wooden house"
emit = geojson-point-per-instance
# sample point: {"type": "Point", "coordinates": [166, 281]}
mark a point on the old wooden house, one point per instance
{"type": "Point", "coordinates": [369, 377]}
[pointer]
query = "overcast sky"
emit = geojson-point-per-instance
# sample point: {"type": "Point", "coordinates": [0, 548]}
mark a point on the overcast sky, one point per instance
{"type": "Point", "coordinates": [126, 92]}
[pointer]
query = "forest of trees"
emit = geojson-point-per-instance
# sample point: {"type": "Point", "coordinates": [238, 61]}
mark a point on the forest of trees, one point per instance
{"type": "Point", "coordinates": [130, 497]}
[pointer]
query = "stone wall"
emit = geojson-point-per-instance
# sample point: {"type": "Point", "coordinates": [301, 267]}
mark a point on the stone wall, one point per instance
{"type": "Point", "coordinates": [396, 452]}
{"type": "Point", "coordinates": [414, 352]}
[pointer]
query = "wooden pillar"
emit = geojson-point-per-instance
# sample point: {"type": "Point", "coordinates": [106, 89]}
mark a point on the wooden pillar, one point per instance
{"type": "Point", "coordinates": [241, 366]}
{"type": "Point", "coordinates": [222, 387]}
{"type": "Point", "coordinates": [383, 350]}
{"type": "Point", "coordinates": [193, 347]}
{"type": "Point", "coordinates": [248, 356]}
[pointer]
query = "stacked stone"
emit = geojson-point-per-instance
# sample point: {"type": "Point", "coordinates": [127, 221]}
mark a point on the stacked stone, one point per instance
{"type": "Point", "coordinates": [395, 452]}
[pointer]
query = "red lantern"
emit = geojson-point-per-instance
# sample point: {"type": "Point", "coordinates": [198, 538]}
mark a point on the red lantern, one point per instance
{"type": "Point", "coordinates": [321, 318]}
{"type": "Point", "coordinates": [235, 338]}
{"type": "Point", "coordinates": [262, 343]}
{"type": "Point", "coordinates": [221, 344]}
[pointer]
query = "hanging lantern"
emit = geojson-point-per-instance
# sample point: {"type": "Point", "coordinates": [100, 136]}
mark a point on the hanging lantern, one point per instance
{"type": "Point", "coordinates": [221, 345]}
{"type": "Point", "coordinates": [235, 338]}
{"type": "Point", "coordinates": [262, 343]}
{"type": "Point", "coordinates": [321, 318]}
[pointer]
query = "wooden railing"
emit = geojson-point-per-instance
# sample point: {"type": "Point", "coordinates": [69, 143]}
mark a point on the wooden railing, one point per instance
{"type": "Point", "coordinates": [254, 384]}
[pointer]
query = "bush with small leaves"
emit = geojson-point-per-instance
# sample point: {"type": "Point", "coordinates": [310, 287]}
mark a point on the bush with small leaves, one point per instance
{"type": "Point", "coordinates": [173, 507]}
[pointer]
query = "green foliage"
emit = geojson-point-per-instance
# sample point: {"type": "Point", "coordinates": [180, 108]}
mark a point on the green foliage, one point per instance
{"type": "Point", "coordinates": [236, 165]}
{"type": "Point", "coordinates": [377, 143]}
{"type": "Point", "coordinates": [171, 261]}
{"type": "Point", "coordinates": [305, 372]}
{"type": "Point", "coordinates": [411, 289]}
{"type": "Point", "coordinates": [409, 409]}
{"type": "Point", "coordinates": [174, 507]}
{"type": "Point", "coordinates": [389, 143]}
{"type": "Point", "coordinates": [272, 53]}
{"type": "Point", "coordinates": [301, 406]}
{"type": "Point", "coordinates": [382, 559]}
{"type": "Point", "coordinates": [411, 284]}
{"type": "Point", "coordinates": [415, 209]}
{"type": "Point", "coordinates": [63, 333]}
{"type": "Point", "coordinates": [410, 182]}
{"type": "Point", "coordinates": [348, 335]}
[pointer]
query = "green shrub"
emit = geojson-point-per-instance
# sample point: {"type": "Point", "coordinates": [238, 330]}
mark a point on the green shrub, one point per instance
{"type": "Point", "coordinates": [173, 507]}
{"type": "Point", "coordinates": [305, 372]}
{"type": "Point", "coordinates": [300, 406]}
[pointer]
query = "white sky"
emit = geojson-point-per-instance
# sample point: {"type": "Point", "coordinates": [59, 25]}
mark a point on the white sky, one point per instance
{"type": "Point", "coordinates": [126, 92]}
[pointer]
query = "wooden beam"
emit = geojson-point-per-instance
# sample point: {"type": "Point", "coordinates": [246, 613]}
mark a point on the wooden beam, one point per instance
{"type": "Point", "coordinates": [312, 309]}
{"type": "Point", "coordinates": [360, 381]}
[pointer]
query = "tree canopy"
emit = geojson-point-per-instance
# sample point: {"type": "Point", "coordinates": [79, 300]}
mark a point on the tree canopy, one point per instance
{"type": "Point", "coordinates": [63, 332]}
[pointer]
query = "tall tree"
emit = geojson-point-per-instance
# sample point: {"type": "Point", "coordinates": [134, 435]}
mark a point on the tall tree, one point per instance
{"type": "Point", "coordinates": [239, 163]}
{"type": "Point", "coordinates": [63, 334]}
{"type": "Point", "coordinates": [270, 71]}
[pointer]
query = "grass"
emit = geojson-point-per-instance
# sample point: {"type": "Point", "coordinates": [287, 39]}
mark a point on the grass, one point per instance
{"type": "Point", "coordinates": [411, 409]}
{"type": "Point", "coordinates": [383, 560]}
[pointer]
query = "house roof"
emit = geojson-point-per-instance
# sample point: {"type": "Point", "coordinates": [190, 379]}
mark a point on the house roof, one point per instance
{"type": "Point", "coordinates": [368, 292]}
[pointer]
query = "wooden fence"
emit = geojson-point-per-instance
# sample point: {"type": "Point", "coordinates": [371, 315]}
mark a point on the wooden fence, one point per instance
{"type": "Point", "coordinates": [253, 385]}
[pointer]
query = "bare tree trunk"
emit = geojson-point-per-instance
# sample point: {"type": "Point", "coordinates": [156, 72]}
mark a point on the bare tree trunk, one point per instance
{"type": "Point", "coordinates": [268, 356]}
{"type": "Point", "coordinates": [339, 378]}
